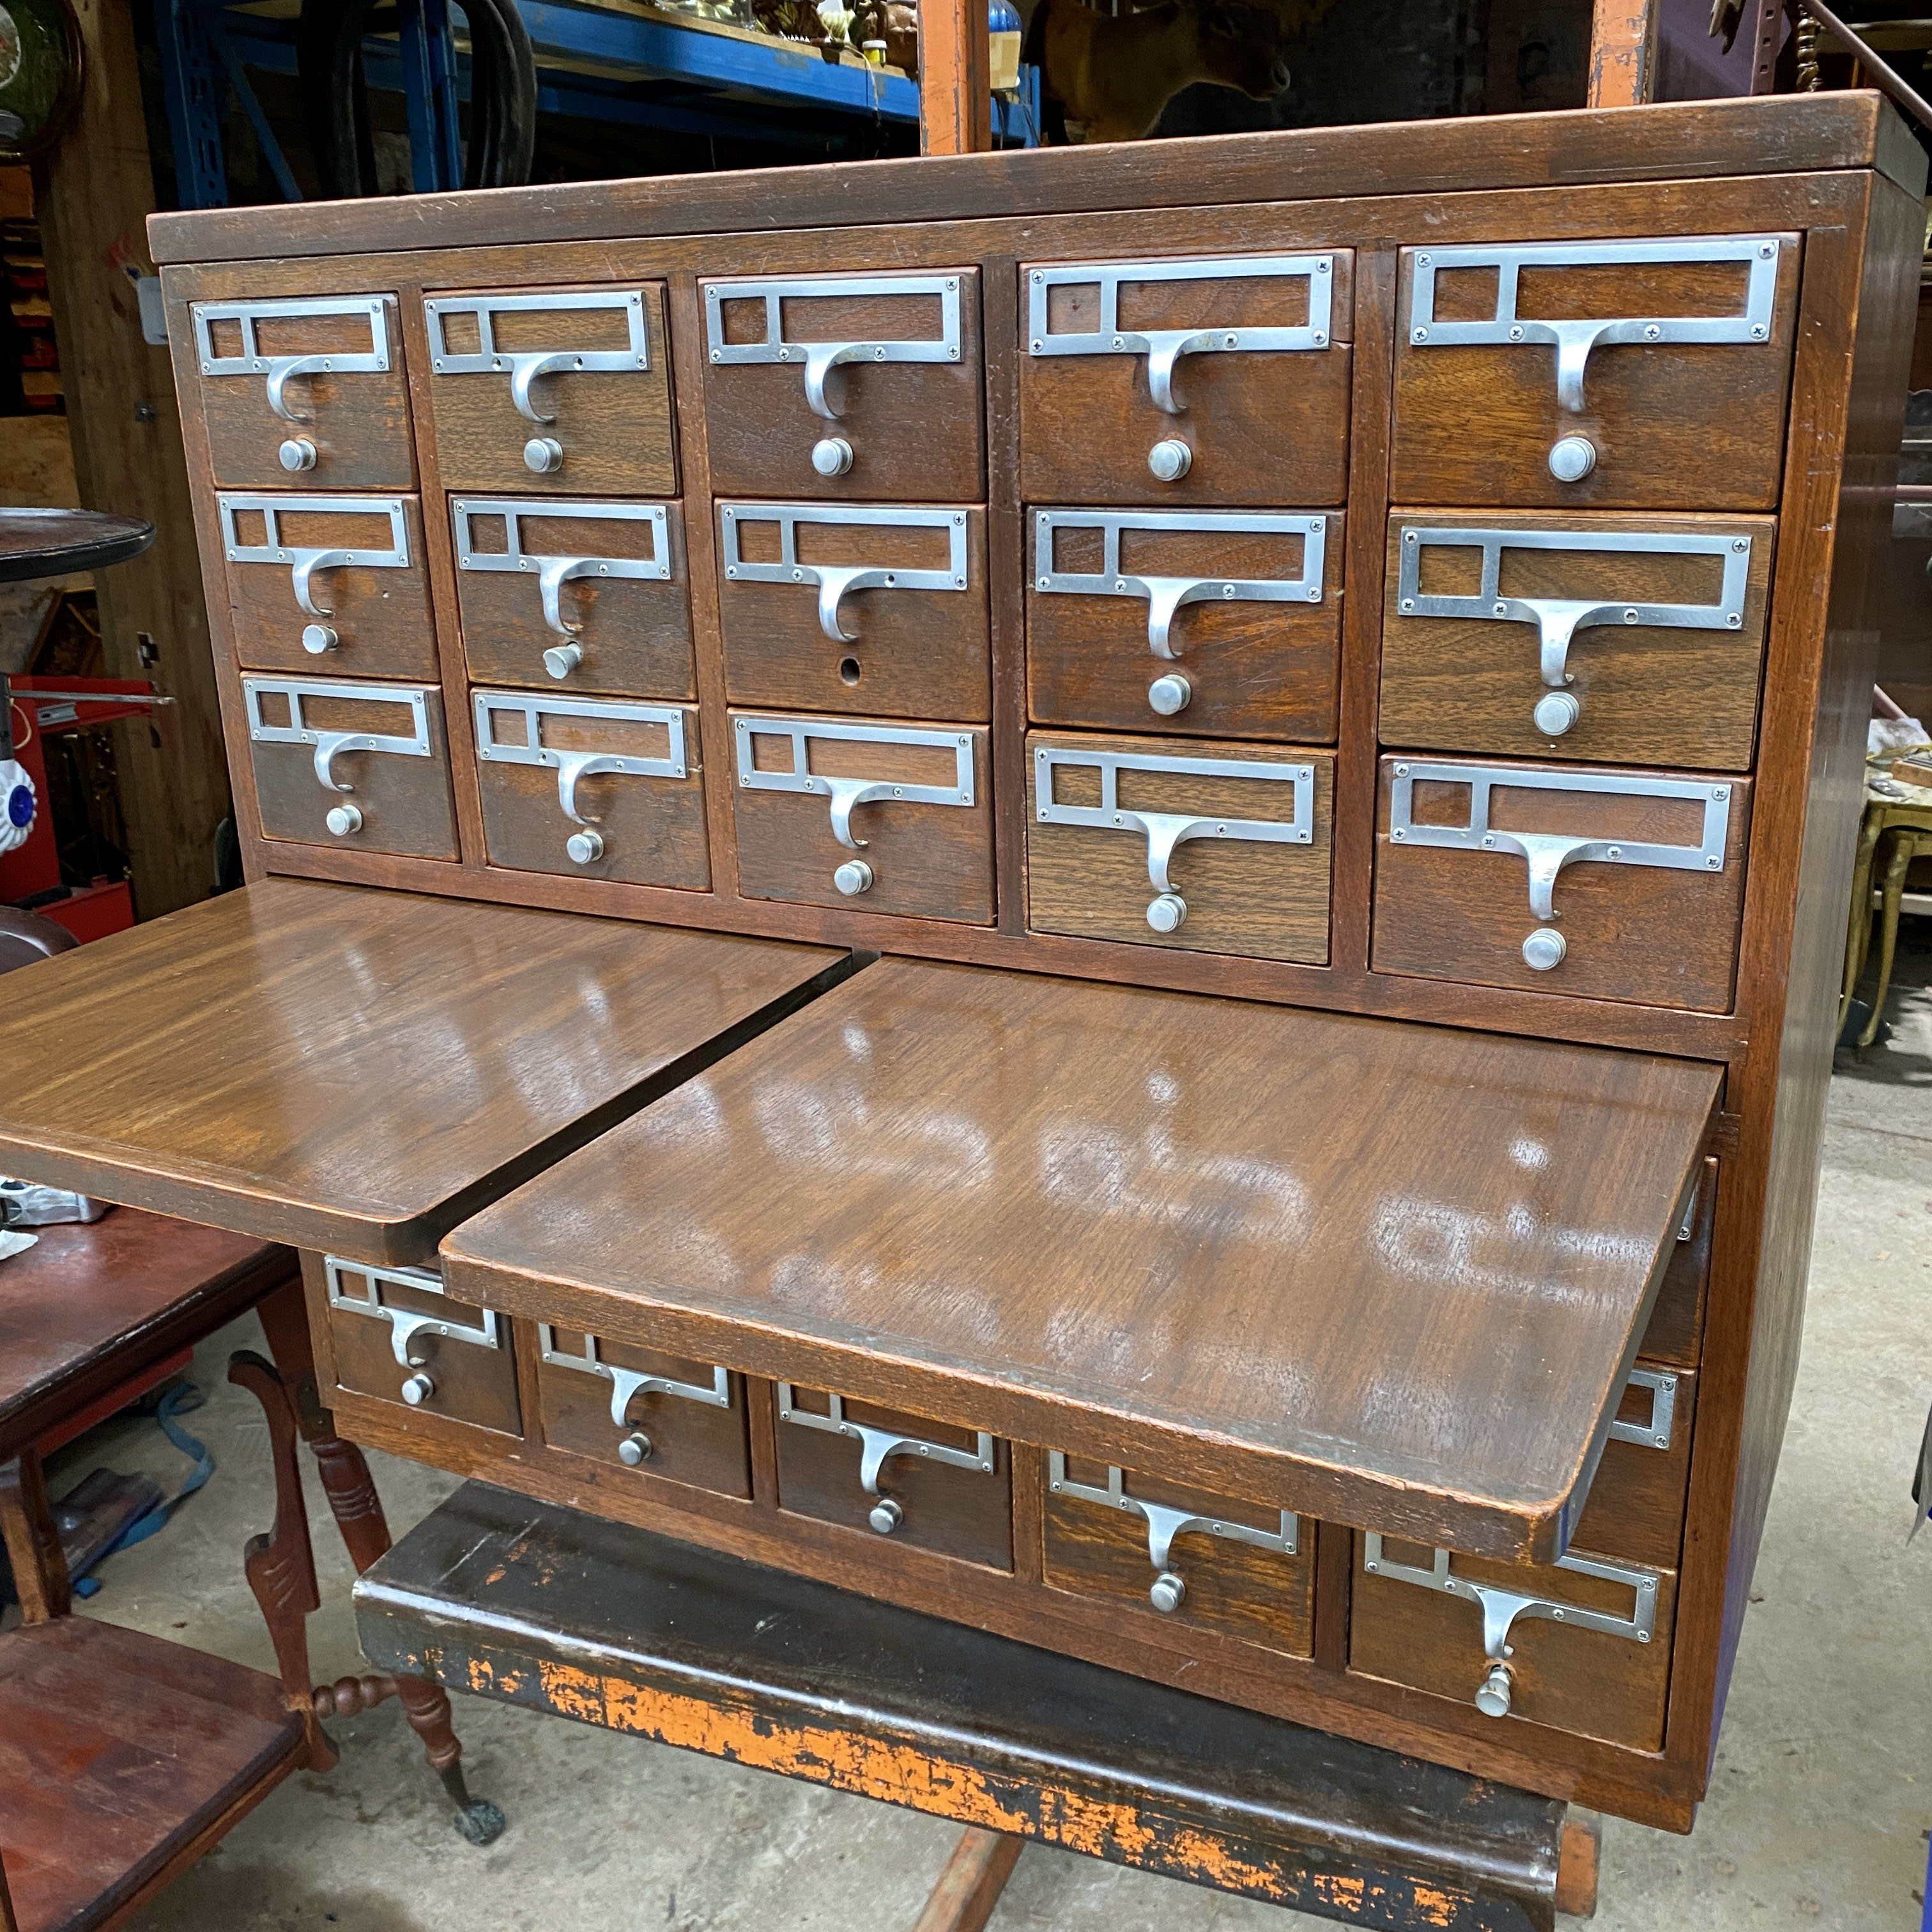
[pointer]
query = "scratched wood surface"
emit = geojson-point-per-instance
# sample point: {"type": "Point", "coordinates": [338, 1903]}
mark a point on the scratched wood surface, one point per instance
{"type": "Point", "coordinates": [1074, 1215]}
{"type": "Point", "coordinates": [500, 1596]}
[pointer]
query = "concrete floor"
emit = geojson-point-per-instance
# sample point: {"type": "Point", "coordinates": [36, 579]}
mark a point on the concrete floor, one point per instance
{"type": "Point", "coordinates": [1819, 1809]}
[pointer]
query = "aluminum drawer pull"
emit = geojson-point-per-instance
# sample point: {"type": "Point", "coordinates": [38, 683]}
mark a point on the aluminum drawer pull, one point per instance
{"type": "Point", "coordinates": [1164, 1523]}
{"type": "Point", "coordinates": [820, 358]}
{"type": "Point", "coordinates": [1166, 595]}
{"type": "Point", "coordinates": [571, 767]}
{"type": "Point", "coordinates": [329, 746]}
{"type": "Point", "coordinates": [835, 581]}
{"type": "Point", "coordinates": [405, 1324]}
{"type": "Point", "coordinates": [1654, 1432]}
{"type": "Point", "coordinates": [1163, 347]}
{"type": "Point", "coordinates": [525, 365]}
{"type": "Point", "coordinates": [1558, 619]}
{"type": "Point", "coordinates": [626, 1384]}
{"type": "Point", "coordinates": [1166, 830]}
{"type": "Point", "coordinates": [877, 1447]}
{"type": "Point", "coordinates": [553, 571]}
{"type": "Point", "coordinates": [304, 563]}
{"type": "Point", "coordinates": [280, 371]}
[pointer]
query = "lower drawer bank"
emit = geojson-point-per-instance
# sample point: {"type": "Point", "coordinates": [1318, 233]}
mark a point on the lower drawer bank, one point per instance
{"type": "Point", "coordinates": [1041, 1306]}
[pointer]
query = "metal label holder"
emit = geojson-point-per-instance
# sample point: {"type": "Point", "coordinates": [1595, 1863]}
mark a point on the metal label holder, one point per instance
{"type": "Point", "coordinates": [1574, 340]}
{"type": "Point", "coordinates": [627, 1384]}
{"type": "Point", "coordinates": [329, 746]}
{"type": "Point", "coordinates": [834, 582]}
{"type": "Point", "coordinates": [877, 1447]}
{"type": "Point", "coordinates": [279, 370]}
{"type": "Point", "coordinates": [304, 562]}
{"type": "Point", "coordinates": [1548, 852]}
{"type": "Point", "coordinates": [552, 571]}
{"type": "Point", "coordinates": [1164, 1523]}
{"type": "Point", "coordinates": [1558, 619]}
{"type": "Point", "coordinates": [523, 366]}
{"type": "Point", "coordinates": [572, 766]}
{"type": "Point", "coordinates": [1164, 347]}
{"type": "Point", "coordinates": [405, 1324]}
{"type": "Point", "coordinates": [1166, 595]}
{"type": "Point", "coordinates": [818, 359]}
{"type": "Point", "coordinates": [844, 794]}
{"type": "Point", "coordinates": [1655, 1431]}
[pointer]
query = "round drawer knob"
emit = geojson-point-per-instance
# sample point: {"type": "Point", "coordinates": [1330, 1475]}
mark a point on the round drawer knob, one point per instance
{"type": "Point", "coordinates": [560, 660]}
{"type": "Point", "coordinates": [1166, 1593]}
{"type": "Point", "coordinates": [887, 1515]}
{"type": "Point", "coordinates": [1168, 913]}
{"type": "Point", "coordinates": [831, 456]}
{"type": "Point", "coordinates": [343, 820]}
{"type": "Point", "coordinates": [1544, 949]}
{"type": "Point", "coordinates": [1555, 712]}
{"type": "Point", "coordinates": [853, 877]}
{"type": "Point", "coordinates": [317, 638]}
{"type": "Point", "coordinates": [1170, 460]}
{"type": "Point", "coordinates": [585, 848]}
{"type": "Point", "coordinates": [418, 1389]}
{"type": "Point", "coordinates": [1572, 458]}
{"type": "Point", "coordinates": [544, 454]}
{"type": "Point", "coordinates": [635, 1448]}
{"type": "Point", "coordinates": [1170, 694]}
{"type": "Point", "coordinates": [297, 453]}
{"type": "Point", "coordinates": [1492, 1695]}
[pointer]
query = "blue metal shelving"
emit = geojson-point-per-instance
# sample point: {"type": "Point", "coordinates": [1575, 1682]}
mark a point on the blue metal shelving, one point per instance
{"type": "Point", "coordinates": [593, 63]}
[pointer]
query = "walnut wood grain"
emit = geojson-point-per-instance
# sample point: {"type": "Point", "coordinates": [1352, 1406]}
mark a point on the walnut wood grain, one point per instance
{"type": "Point", "coordinates": [380, 617]}
{"type": "Point", "coordinates": [357, 420]}
{"type": "Point", "coordinates": [1650, 695]}
{"type": "Point", "coordinates": [1112, 1279]}
{"type": "Point", "coordinates": [915, 429]}
{"type": "Point", "coordinates": [272, 1015]}
{"type": "Point", "coordinates": [471, 1383]}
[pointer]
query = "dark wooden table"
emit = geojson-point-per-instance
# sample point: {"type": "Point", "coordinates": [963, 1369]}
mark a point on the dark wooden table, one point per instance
{"type": "Point", "coordinates": [52, 543]}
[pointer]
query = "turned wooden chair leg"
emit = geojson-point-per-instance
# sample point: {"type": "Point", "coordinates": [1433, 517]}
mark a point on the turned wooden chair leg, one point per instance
{"type": "Point", "coordinates": [970, 1886]}
{"type": "Point", "coordinates": [357, 1511]}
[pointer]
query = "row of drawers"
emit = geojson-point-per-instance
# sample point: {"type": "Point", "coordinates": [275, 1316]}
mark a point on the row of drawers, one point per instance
{"type": "Point", "coordinates": [1633, 639]}
{"type": "Point", "coordinates": [1214, 847]}
{"type": "Point", "coordinates": [1639, 373]}
{"type": "Point", "coordinates": [1586, 1647]}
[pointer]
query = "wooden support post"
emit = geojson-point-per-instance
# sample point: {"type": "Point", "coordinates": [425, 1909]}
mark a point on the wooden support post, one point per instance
{"type": "Point", "coordinates": [956, 78]}
{"type": "Point", "coordinates": [92, 196]}
{"type": "Point", "coordinates": [1579, 1859]}
{"type": "Point", "coordinates": [1623, 53]}
{"type": "Point", "coordinates": [970, 1886]}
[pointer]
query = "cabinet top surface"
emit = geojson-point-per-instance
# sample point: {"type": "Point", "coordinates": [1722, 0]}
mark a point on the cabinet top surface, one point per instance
{"type": "Point", "coordinates": [1788, 133]}
{"type": "Point", "coordinates": [1399, 1254]}
{"type": "Point", "coordinates": [346, 1067]}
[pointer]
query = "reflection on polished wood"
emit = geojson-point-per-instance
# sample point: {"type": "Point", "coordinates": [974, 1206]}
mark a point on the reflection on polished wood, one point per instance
{"type": "Point", "coordinates": [358, 1070]}
{"type": "Point", "coordinates": [1385, 1274]}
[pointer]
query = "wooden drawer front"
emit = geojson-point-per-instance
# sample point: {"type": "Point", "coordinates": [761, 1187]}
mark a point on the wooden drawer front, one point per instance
{"type": "Point", "coordinates": [1225, 625]}
{"type": "Point", "coordinates": [591, 596]}
{"type": "Point", "coordinates": [309, 390]}
{"type": "Point", "coordinates": [1676, 1330]}
{"type": "Point", "coordinates": [662, 1415]}
{"type": "Point", "coordinates": [1440, 1622]}
{"type": "Point", "coordinates": [891, 818]}
{"type": "Point", "coordinates": [1209, 1561]}
{"type": "Point", "coordinates": [1634, 879]}
{"type": "Point", "coordinates": [398, 1336]}
{"type": "Point", "coordinates": [1220, 848]}
{"type": "Point", "coordinates": [610, 790]}
{"type": "Point", "coordinates": [861, 608]}
{"type": "Point", "coordinates": [558, 391]}
{"type": "Point", "coordinates": [930, 1484]}
{"type": "Point", "coordinates": [366, 765]}
{"type": "Point", "coordinates": [1577, 373]}
{"type": "Point", "coordinates": [846, 386]}
{"type": "Point", "coordinates": [333, 580]}
{"type": "Point", "coordinates": [1634, 640]}
{"type": "Point", "coordinates": [1635, 1508]}
{"type": "Point", "coordinates": [1188, 382]}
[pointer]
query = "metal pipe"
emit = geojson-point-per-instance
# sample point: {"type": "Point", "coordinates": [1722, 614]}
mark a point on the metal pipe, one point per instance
{"type": "Point", "coordinates": [1888, 81]}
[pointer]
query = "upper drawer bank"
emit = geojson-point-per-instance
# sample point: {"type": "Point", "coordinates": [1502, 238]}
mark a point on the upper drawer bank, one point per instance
{"type": "Point", "coordinates": [305, 389]}
{"type": "Point", "coordinates": [1187, 381]}
{"type": "Point", "coordinates": [846, 386]}
{"type": "Point", "coordinates": [563, 391]}
{"type": "Point", "coordinates": [1650, 373]}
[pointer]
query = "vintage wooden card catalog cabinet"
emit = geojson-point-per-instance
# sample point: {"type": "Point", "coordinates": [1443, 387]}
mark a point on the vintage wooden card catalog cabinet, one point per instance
{"type": "Point", "coordinates": [1269, 754]}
